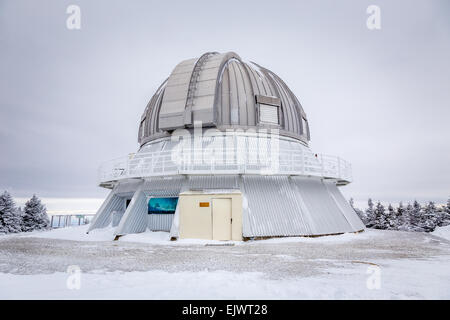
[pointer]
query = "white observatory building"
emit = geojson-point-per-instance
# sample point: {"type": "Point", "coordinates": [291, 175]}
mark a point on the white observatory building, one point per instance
{"type": "Point", "coordinates": [224, 155]}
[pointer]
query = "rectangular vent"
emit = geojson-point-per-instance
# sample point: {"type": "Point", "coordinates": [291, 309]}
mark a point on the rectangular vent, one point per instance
{"type": "Point", "coordinates": [268, 114]}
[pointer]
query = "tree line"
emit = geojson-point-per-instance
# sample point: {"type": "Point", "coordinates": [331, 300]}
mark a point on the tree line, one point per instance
{"type": "Point", "coordinates": [13, 219]}
{"type": "Point", "coordinates": [412, 217]}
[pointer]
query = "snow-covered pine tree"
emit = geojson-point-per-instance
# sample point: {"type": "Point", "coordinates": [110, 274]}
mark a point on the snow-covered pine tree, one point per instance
{"type": "Point", "coordinates": [380, 217]}
{"type": "Point", "coordinates": [416, 220]}
{"type": "Point", "coordinates": [10, 219]}
{"type": "Point", "coordinates": [406, 219]}
{"type": "Point", "coordinates": [445, 215]}
{"type": "Point", "coordinates": [2, 225]}
{"type": "Point", "coordinates": [440, 215]}
{"type": "Point", "coordinates": [448, 205]}
{"type": "Point", "coordinates": [430, 217]}
{"type": "Point", "coordinates": [35, 215]}
{"type": "Point", "coordinates": [401, 217]}
{"type": "Point", "coordinates": [391, 218]}
{"type": "Point", "coordinates": [370, 214]}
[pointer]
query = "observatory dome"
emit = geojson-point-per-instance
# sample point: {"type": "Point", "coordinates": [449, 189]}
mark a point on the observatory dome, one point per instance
{"type": "Point", "coordinates": [220, 90]}
{"type": "Point", "coordinates": [224, 155]}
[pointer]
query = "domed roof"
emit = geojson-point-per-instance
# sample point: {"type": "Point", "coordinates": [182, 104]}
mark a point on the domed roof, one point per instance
{"type": "Point", "coordinates": [222, 91]}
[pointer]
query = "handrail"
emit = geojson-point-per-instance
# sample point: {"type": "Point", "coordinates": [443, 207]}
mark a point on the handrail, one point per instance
{"type": "Point", "coordinates": [226, 161]}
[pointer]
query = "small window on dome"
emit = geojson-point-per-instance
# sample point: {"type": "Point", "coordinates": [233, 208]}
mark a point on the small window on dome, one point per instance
{"type": "Point", "coordinates": [268, 114]}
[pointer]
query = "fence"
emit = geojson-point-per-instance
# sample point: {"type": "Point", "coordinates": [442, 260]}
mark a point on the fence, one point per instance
{"type": "Point", "coordinates": [64, 220]}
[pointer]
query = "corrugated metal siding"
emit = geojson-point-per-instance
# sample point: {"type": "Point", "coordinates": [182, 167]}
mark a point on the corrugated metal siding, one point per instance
{"type": "Point", "coordinates": [271, 208]}
{"type": "Point", "coordinates": [159, 187]}
{"type": "Point", "coordinates": [116, 217]}
{"type": "Point", "coordinates": [160, 222]}
{"type": "Point", "coordinates": [289, 206]}
{"type": "Point", "coordinates": [213, 182]}
{"type": "Point", "coordinates": [272, 205]}
{"type": "Point", "coordinates": [326, 215]}
{"type": "Point", "coordinates": [103, 217]}
{"type": "Point", "coordinates": [344, 206]}
{"type": "Point", "coordinates": [134, 219]}
{"type": "Point", "coordinates": [126, 188]}
{"type": "Point", "coordinates": [165, 187]}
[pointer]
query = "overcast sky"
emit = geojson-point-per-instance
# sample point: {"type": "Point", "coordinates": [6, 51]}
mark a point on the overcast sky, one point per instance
{"type": "Point", "coordinates": [70, 99]}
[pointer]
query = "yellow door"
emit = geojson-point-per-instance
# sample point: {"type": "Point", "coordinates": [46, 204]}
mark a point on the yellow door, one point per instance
{"type": "Point", "coordinates": [221, 219]}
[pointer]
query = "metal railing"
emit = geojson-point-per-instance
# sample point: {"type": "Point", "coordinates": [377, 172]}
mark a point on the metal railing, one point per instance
{"type": "Point", "coordinates": [227, 161]}
{"type": "Point", "coordinates": [68, 220]}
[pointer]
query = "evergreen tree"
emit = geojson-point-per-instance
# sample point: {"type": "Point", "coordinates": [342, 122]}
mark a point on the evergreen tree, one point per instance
{"type": "Point", "coordinates": [416, 217]}
{"type": "Point", "coordinates": [445, 215]}
{"type": "Point", "coordinates": [401, 216]}
{"type": "Point", "coordinates": [380, 217]}
{"type": "Point", "coordinates": [405, 224]}
{"type": "Point", "coordinates": [448, 205]}
{"type": "Point", "coordinates": [391, 218]}
{"type": "Point", "coordinates": [430, 217]}
{"type": "Point", "coordinates": [370, 214]}
{"type": "Point", "coordinates": [399, 212]}
{"type": "Point", "coordinates": [410, 218]}
{"type": "Point", "coordinates": [10, 220]}
{"type": "Point", "coordinates": [2, 225]}
{"type": "Point", "coordinates": [35, 215]}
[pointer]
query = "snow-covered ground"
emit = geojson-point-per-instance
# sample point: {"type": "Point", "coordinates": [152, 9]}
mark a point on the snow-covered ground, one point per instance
{"type": "Point", "coordinates": [443, 232]}
{"type": "Point", "coordinates": [371, 265]}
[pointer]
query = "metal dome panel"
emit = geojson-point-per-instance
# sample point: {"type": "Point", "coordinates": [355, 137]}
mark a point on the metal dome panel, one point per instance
{"type": "Point", "coordinates": [221, 90]}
